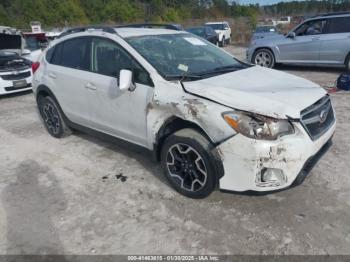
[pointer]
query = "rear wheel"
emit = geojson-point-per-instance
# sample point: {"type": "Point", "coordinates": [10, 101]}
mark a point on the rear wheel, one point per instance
{"type": "Point", "coordinates": [188, 163]}
{"type": "Point", "coordinates": [264, 58]}
{"type": "Point", "coordinates": [52, 117]}
{"type": "Point", "coordinates": [347, 63]}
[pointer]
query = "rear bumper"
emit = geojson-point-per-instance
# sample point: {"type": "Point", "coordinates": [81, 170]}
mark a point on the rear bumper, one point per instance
{"type": "Point", "coordinates": [245, 159]}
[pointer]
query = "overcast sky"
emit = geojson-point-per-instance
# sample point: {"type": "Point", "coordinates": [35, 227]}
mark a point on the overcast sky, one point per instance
{"type": "Point", "coordinates": [262, 2]}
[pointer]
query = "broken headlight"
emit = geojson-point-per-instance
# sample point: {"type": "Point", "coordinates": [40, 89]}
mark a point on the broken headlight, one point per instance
{"type": "Point", "coordinates": [257, 126]}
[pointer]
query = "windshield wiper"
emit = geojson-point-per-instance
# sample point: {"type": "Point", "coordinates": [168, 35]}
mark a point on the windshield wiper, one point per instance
{"type": "Point", "coordinates": [222, 69]}
{"type": "Point", "coordinates": [184, 77]}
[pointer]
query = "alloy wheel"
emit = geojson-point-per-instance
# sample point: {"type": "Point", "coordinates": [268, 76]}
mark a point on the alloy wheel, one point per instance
{"type": "Point", "coordinates": [186, 167]}
{"type": "Point", "coordinates": [263, 59]}
{"type": "Point", "coordinates": [51, 118]}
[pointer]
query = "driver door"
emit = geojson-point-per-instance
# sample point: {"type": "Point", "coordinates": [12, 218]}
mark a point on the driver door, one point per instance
{"type": "Point", "coordinates": [305, 46]}
{"type": "Point", "coordinates": [115, 112]}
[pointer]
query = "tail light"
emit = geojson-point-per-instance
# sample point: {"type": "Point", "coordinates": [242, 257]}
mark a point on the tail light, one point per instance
{"type": "Point", "coordinates": [35, 66]}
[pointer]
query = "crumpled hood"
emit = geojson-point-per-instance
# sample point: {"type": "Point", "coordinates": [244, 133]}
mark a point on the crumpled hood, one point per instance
{"type": "Point", "coordinates": [259, 90]}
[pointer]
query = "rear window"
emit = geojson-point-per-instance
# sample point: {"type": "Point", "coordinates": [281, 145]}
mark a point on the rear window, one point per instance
{"type": "Point", "coordinates": [76, 54]}
{"type": "Point", "coordinates": [339, 25]}
{"type": "Point", "coordinates": [49, 54]}
{"type": "Point", "coordinates": [216, 26]}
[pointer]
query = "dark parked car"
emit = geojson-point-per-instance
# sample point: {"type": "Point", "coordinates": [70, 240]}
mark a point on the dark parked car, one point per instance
{"type": "Point", "coordinates": [205, 32]}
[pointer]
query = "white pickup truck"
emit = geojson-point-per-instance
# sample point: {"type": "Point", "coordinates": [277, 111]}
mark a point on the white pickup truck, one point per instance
{"type": "Point", "coordinates": [223, 31]}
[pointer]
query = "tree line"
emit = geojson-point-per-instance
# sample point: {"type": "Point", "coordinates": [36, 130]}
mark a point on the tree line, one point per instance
{"type": "Point", "coordinates": [54, 13]}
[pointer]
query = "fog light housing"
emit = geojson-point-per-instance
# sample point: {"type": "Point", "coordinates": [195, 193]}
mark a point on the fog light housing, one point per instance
{"type": "Point", "coordinates": [271, 177]}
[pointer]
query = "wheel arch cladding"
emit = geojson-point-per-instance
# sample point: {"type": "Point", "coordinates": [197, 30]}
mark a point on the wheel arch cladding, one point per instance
{"type": "Point", "coordinates": [44, 91]}
{"type": "Point", "coordinates": [172, 125]}
{"type": "Point", "coordinates": [175, 124]}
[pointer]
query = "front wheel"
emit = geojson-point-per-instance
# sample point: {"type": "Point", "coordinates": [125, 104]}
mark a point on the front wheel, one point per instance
{"type": "Point", "coordinates": [188, 163]}
{"type": "Point", "coordinates": [264, 58]}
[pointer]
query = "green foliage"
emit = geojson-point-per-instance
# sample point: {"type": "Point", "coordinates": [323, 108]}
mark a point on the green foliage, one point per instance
{"type": "Point", "coordinates": [18, 13]}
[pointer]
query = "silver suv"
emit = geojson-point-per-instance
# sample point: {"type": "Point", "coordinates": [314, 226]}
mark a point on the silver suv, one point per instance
{"type": "Point", "coordinates": [321, 40]}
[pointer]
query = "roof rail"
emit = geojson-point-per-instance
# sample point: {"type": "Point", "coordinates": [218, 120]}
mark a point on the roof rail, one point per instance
{"type": "Point", "coordinates": [147, 25]}
{"type": "Point", "coordinates": [332, 14]}
{"type": "Point", "coordinates": [86, 28]}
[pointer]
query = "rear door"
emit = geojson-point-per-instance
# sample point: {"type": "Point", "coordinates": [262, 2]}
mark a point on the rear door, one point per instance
{"type": "Point", "coordinates": [335, 43]}
{"type": "Point", "coordinates": [211, 35]}
{"type": "Point", "coordinates": [66, 74]}
{"type": "Point", "coordinates": [305, 46]}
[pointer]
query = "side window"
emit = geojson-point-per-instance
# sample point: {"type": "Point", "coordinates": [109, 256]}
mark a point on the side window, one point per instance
{"type": "Point", "coordinates": [57, 55]}
{"type": "Point", "coordinates": [49, 54]}
{"type": "Point", "coordinates": [210, 31]}
{"type": "Point", "coordinates": [339, 25]}
{"type": "Point", "coordinates": [109, 58]}
{"type": "Point", "coordinates": [314, 27]}
{"type": "Point", "coordinates": [76, 53]}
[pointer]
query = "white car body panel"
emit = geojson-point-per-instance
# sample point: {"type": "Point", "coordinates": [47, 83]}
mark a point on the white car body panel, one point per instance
{"type": "Point", "coordinates": [280, 95]}
{"type": "Point", "coordinates": [33, 56]}
{"type": "Point", "coordinates": [138, 116]}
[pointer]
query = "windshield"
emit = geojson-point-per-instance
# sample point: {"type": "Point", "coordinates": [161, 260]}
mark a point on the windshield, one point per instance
{"type": "Point", "coordinates": [35, 42]}
{"type": "Point", "coordinates": [265, 29]}
{"type": "Point", "coordinates": [216, 26]}
{"type": "Point", "coordinates": [184, 54]}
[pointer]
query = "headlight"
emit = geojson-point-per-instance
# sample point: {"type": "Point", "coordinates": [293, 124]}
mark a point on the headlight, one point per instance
{"type": "Point", "coordinates": [257, 126]}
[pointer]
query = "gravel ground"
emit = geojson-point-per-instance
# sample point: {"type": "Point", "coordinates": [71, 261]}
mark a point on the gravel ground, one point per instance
{"type": "Point", "coordinates": [82, 195]}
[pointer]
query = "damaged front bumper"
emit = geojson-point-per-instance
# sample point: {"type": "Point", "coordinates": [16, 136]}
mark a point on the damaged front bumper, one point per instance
{"type": "Point", "coordinates": [258, 165]}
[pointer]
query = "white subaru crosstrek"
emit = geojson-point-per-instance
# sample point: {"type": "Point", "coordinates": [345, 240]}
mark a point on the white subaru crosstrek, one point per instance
{"type": "Point", "coordinates": [209, 118]}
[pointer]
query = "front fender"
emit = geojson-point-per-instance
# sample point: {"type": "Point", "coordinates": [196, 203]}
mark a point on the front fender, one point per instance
{"type": "Point", "coordinates": [171, 101]}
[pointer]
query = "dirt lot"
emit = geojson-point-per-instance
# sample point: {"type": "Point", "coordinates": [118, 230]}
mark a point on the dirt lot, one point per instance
{"type": "Point", "coordinates": [67, 196]}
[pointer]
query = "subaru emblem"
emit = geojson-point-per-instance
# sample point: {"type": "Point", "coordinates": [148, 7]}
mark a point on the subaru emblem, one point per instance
{"type": "Point", "coordinates": [323, 116]}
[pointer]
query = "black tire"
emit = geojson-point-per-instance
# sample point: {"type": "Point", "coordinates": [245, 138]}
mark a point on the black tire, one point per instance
{"type": "Point", "coordinates": [264, 57]}
{"type": "Point", "coordinates": [347, 63]}
{"type": "Point", "coordinates": [193, 173]}
{"type": "Point", "coordinates": [223, 42]}
{"type": "Point", "coordinates": [52, 117]}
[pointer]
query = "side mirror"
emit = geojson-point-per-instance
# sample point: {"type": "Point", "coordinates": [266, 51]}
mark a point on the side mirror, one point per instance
{"type": "Point", "coordinates": [291, 35]}
{"type": "Point", "coordinates": [126, 80]}
{"type": "Point", "coordinates": [26, 52]}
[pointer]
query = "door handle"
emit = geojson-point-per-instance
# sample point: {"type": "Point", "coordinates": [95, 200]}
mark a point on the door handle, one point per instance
{"type": "Point", "coordinates": [52, 75]}
{"type": "Point", "coordinates": [315, 38]}
{"type": "Point", "coordinates": [90, 86]}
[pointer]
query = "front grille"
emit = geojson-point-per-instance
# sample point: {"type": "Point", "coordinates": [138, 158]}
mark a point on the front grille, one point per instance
{"type": "Point", "coordinates": [318, 118]}
{"type": "Point", "coordinates": [16, 76]}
